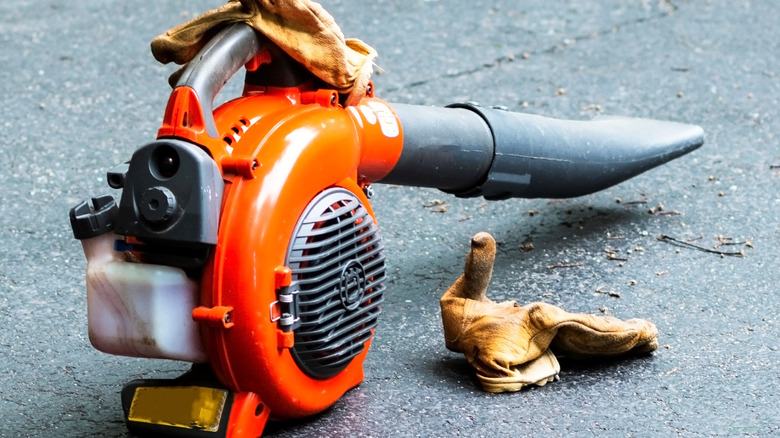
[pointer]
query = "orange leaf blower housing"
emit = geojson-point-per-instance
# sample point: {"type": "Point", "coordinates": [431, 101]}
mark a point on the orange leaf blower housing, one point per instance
{"type": "Point", "coordinates": [281, 282]}
{"type": "Point", "coordinates": [244, 241]}
{"type": "Point", "coordinates": [288, 307]}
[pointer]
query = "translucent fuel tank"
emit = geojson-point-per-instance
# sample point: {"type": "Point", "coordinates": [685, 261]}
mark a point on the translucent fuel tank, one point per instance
{"type": "Point", "coordinates": [138, 309]}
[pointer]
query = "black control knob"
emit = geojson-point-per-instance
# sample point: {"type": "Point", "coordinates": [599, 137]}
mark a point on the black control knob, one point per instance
{"type": "Point", "coordinates": [158, 204]}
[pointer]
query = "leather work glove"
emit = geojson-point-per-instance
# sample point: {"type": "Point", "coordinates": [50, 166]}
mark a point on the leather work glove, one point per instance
{"type": "Point", "coordinates": [511, 346]}
{"type": "Point", "coordinates": [302, 28]}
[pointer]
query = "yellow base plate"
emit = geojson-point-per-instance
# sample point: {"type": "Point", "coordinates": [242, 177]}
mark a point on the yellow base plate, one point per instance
{"type": "Point", "coordinates": [188, 407]}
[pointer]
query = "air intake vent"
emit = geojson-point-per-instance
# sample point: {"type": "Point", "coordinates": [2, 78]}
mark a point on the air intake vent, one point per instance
{"type": "Point", "coordinates": [336, 257]}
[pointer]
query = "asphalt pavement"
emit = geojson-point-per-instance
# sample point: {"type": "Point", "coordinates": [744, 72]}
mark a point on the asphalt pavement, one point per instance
{"type": "Point", "coordinates": [80, 91]}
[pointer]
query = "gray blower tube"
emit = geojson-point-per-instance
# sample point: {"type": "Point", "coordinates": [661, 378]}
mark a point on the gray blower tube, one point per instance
{"type": "Point", "coordinates": [469, 151]}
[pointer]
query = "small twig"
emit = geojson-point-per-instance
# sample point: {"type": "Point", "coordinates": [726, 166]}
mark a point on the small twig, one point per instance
{"type": "Point", "coordinates": [641, 201]}
{"type": "Point", "coordinates": [565, 265]}
{"type": "Point", "coordinates": [436, 206]}
{"type": "Point", "coordinates": [673, 241]}
{"type": "Point", "coordinates": [721, 243]}
{"type": "Point", "coordinates": [611, 293]}
{"type": "Point", "coordinates": [433, 203]}
{"type": "Point", "coordinates": [724, 241]}
{"type": "Point", "coordinates": [613, 256]}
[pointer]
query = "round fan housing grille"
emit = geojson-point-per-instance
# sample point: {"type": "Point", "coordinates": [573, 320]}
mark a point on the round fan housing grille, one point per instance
{"type": "Point", "coordinates": [337, 260]}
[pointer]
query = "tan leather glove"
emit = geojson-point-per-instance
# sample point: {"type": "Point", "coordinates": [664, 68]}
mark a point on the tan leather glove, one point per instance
{"type": "Point", "coordinates": [302, 28]}
{"type": "Point", "coordinates": [511, 346]}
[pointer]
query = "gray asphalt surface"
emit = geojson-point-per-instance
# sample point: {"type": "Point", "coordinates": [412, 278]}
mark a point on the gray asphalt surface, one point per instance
{"type": "Point", "coordinates": [80, 91]}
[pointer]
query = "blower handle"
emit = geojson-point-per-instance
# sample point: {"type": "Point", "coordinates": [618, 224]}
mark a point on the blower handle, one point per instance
{"type": "Point", "coordinates": [220, 59]}
{"type": "Point", "coordinates": [469, 150]}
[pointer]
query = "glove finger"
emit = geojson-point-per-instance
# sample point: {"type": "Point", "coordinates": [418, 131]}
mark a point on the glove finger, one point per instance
{"type": "Point", "coordinates": [183, 42]}
{"type": "Point", "coordinates": [589, 336]}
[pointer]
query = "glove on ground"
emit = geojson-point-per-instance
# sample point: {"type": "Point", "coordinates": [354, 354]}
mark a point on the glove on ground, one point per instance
{"type": "Point", "coordinates": [303, 29]}
{"type": "Point", "coordinates": [511, 346]}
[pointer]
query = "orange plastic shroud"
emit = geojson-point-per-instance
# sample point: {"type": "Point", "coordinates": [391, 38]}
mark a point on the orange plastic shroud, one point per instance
{"type": "Point", "coordinates": [278, 148]}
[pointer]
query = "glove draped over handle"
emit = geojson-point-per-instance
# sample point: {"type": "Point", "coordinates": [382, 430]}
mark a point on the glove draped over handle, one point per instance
{"type": "Point", "coordinates": [301, 28]}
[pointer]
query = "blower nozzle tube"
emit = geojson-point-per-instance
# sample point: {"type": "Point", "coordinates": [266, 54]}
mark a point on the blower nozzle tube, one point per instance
{"type": "Point", "coordinates": [468, 150]}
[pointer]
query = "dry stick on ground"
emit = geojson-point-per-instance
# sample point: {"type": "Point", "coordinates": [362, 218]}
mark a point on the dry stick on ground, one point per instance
{"type": "Point", "coordinates": [611, 293]}
{"type": "Point", "coordinates": [673, 241]}
{"type": "Point", "coordinates": [565, 265]}
{"type": "Point", "coordinates": [725, 241]}
{"type": "Point", "coordinates": [612, 254]}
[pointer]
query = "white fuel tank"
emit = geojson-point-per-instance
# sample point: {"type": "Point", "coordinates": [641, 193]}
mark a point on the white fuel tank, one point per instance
{"type": "Point", "coordinates": [138, 309]}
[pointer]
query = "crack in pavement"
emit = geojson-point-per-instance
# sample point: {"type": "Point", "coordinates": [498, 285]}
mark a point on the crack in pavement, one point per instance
{"type": "Point", "coordinates": [553, 49]}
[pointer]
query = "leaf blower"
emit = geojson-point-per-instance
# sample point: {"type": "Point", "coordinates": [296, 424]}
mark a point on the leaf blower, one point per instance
{"type": "Point", "coordinates": [245, 243]}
